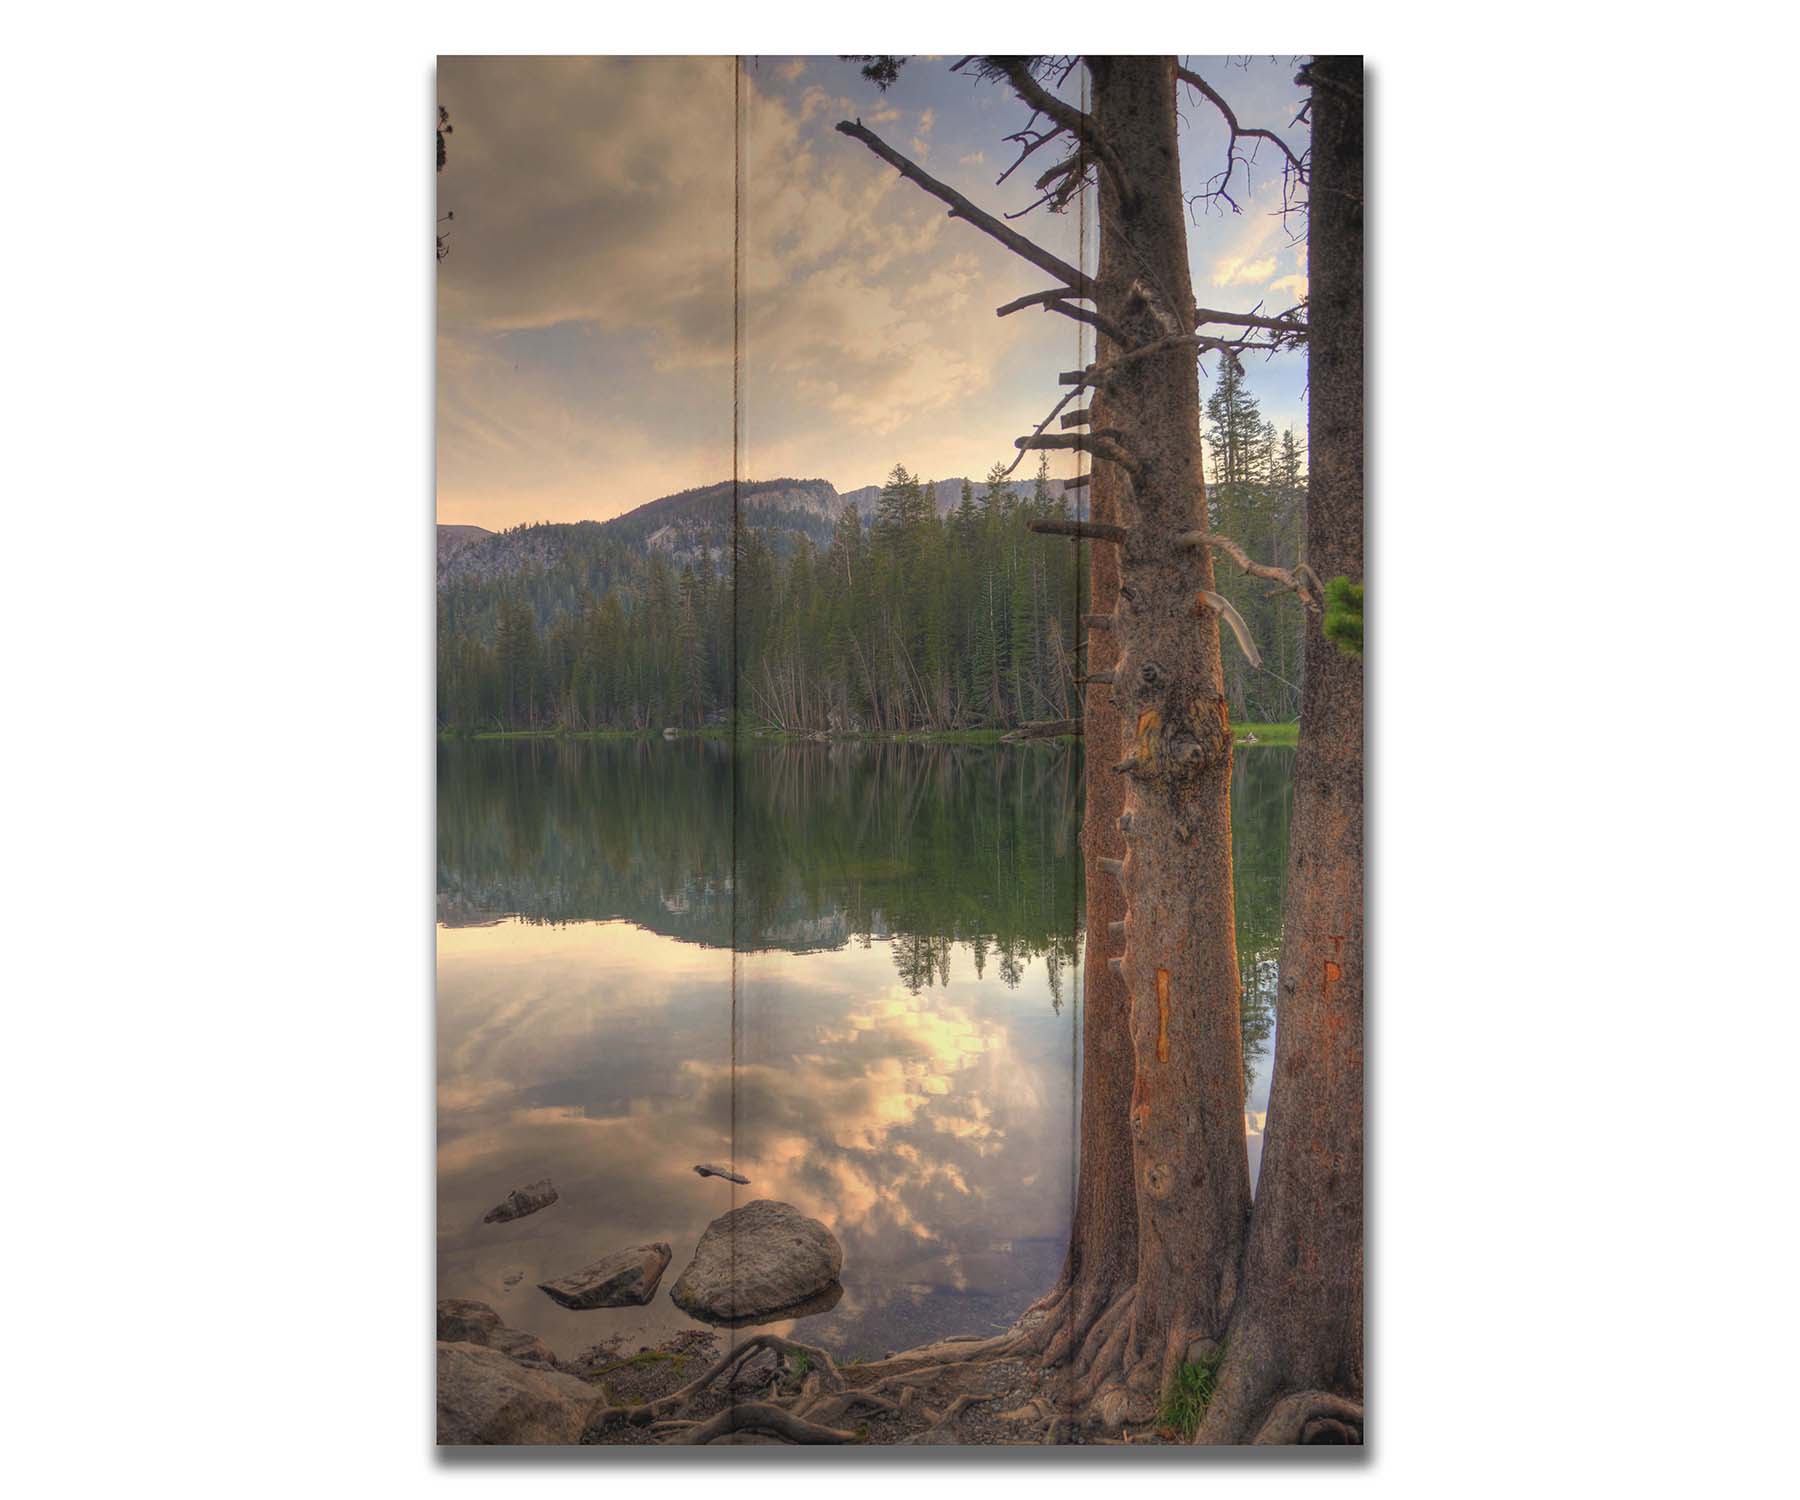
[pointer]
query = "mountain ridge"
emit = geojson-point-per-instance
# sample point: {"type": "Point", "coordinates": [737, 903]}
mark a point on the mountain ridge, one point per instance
{"type": "Point", "coordinates": [688, 525]}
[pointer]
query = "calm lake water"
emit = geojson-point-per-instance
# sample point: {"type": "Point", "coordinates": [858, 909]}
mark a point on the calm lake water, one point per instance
{"type": "Point", "coordinates": [864, 955]}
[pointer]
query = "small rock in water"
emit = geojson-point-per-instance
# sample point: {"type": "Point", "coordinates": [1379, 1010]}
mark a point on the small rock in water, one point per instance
{"type": "Point", "coordinates": [626, 1278]}
{"type": "Point", "coordinates": [759, 1261]}
{"type": "Point", "coordinates": [512, 1278]}
{"type": "Point", "coordinates": [713, 1169]}
{"type": "Point", "coordinates": [521, 1201]}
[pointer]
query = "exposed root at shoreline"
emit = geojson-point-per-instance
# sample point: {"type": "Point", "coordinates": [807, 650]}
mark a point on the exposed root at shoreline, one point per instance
{"type": "Point", "coordinates": [1312, 1417]}
{"type": "Point", "coordinates": [1064, 1373]}
{"type": "Point", "coordinates": [763, 1417]}
{"type": "Point", "coordinates": [1056, 1376]}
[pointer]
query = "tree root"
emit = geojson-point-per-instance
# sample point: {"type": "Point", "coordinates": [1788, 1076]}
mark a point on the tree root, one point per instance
{"type": "Point", "coordinates": [943, 1425]}
{"type": "Point", "coordinates": [1312, 1417]}
{"type": "Point", "coordinates": [1074, 1349]}
{"type": "Point", "coordinates": [834, 1408]}
{"type": "Point", "coordinates": [1082, 1345]}
{"type": "Point", "coordinates": [827, 1373]}
{"type": "Point", "coordinates": [761, 1416]}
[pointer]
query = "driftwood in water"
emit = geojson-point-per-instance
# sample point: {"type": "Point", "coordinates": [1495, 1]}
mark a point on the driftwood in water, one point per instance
{"type": "Point", "coordinates": [1043, 729]}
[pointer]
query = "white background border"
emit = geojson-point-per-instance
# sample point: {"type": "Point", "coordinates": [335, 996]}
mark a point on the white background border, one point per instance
{"type": "Point", "coordinates": [218, 626]}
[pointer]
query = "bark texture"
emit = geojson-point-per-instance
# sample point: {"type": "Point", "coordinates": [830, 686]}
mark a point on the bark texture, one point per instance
{"type": "Point", "coordinates": [1102, 1261]}
{"type": "Point", "coordinates": [1186, 1110]}
{"type": "Point", "coordinates": [1293, 1370]}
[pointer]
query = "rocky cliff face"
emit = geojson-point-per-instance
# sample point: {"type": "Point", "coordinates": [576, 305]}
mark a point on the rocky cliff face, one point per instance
{"type": "Point", "coordinates": [501, 554]}
{"type": "Point", "coordinates": [686, 527]}
{"type": "Point", "coordinates": [452, 539]}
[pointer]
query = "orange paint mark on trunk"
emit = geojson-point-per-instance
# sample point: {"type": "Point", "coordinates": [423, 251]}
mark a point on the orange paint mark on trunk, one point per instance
{"type": "Point", "coordinates": [1149, 730]}
{"type": "Point", "coordinates": [1162, 1015]}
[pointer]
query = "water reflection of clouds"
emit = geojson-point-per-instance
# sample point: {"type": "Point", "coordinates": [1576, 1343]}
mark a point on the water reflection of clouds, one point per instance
{"type": "Point", "coordinates": [601, 1055]}
{"type": "Point", "coordinates": [895, 1086]}
{"type": "Point", "coordinates": [931, 1131]}
{"type": "Point", "coordinates": [913, 1124]}
{"type": "Point", "coordinates": [883, 1112]}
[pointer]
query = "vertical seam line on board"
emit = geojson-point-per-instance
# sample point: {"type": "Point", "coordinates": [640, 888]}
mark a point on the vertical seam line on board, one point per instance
{"type": "Point", "coordinates": [1078, 938]}
{"type": "Point", "coordinates": [737, 242]}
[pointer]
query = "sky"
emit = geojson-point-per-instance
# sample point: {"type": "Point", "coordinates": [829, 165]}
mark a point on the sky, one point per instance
{"type": "Point", "coordinates": [585, 310]}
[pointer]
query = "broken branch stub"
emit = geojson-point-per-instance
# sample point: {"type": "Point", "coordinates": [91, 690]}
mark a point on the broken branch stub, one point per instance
{"type": "Point", "coordinates": [1085, 531]}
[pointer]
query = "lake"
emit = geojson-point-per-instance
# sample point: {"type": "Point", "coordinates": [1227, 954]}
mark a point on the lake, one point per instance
{"type": "Point", "coordinates": [851, 969]}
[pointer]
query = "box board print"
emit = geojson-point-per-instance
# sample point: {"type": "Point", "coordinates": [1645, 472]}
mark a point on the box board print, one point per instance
{"type": "Point", "coordinates": [900, 778]}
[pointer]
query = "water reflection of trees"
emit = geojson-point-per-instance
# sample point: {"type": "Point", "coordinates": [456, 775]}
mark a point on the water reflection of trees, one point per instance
{"type": "Point", "coordinates": [927, 845]}
{"type": "Point", "coordinates": [1262, 783]}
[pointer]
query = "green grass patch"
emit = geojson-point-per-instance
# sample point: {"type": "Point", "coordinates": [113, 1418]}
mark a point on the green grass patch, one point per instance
{"type": "Point", "coordinates": [1184, 1403]}
{"type": "Point", "coordinates": [1270, 734]}
{"type": "Point", "coordinates": [723, 732]}
{"type": "Point", "coordinates": [553, 734]}
{"type": "Point", "coordinates": [901, 737]}
{"type": "Point", "coordinates": [641, 1360]}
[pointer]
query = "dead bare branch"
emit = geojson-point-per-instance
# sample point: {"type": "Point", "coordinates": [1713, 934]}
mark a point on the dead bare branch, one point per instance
{"type": "Point", "coordinates": [1296, 164]}
{"type": "Point", "coordinates": [1107, 443]}
{"type": "Point", "coordinates": [1092, 319]}
{"type": "Point", "coordinates": [961, 208]}
{"type": "Point", "coordinates": [1089, 531]}
{"type": "Point", "coordinates": [1286, 323]}
{"type": "Point", "coordinates": [1246, 563]}
{"type": "Point", "coordinates": [1032, 299]}
{"type": "Point", "coordinates": [1030, 139]}
{"type": "Point", "coordinates": [1226, 611]}
{"type": "Point", "coordinates": [1043, 729]}
{"type": "Point", "coordinates": [1068, 396]}
{"type": "Point", "coordinates": [1071, 119]}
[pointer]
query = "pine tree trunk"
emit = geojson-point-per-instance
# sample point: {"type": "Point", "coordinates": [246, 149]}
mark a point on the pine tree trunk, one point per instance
{"type": "Point", "coordinates": [1164, 1195]}
{"type": "Point", "coordinates": [1098, 1276]}
{"type": "Point", "coordinates": [1293, 1370]}
{"type": "Point", "coordinates": [1186, 1112]}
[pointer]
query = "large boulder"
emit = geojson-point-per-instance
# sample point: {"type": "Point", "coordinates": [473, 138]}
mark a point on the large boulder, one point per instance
{"type": "Point", "coordinates": [461, 1321]}
{"type": "Point", "coordinates": [521, 1201]}
{"type": "Point", "coordinates": [484, 1397]}
{"type": "Point", "coordinates": [626, 1278]}
{"type": "Point", "coordinates": [759, 1263]}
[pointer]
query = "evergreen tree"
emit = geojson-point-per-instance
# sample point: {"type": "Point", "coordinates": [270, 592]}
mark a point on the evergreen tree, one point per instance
{"type": "Point", "coordinates": [915, 622]}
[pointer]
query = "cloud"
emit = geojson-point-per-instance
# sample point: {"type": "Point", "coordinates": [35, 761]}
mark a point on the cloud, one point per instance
{"type": "Point", "coordinates": [793, 70]}
{"type": "Point", "coordinates": [1242, 271]}
{"type": "Point", "coordinates": [921, 144]}
{"type": "Point", "coordinates": [1296, 284]}
{"type": "Point", "coordinates": [597, 189]}
{"type": "Point", "coordinates": [586, 311]}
